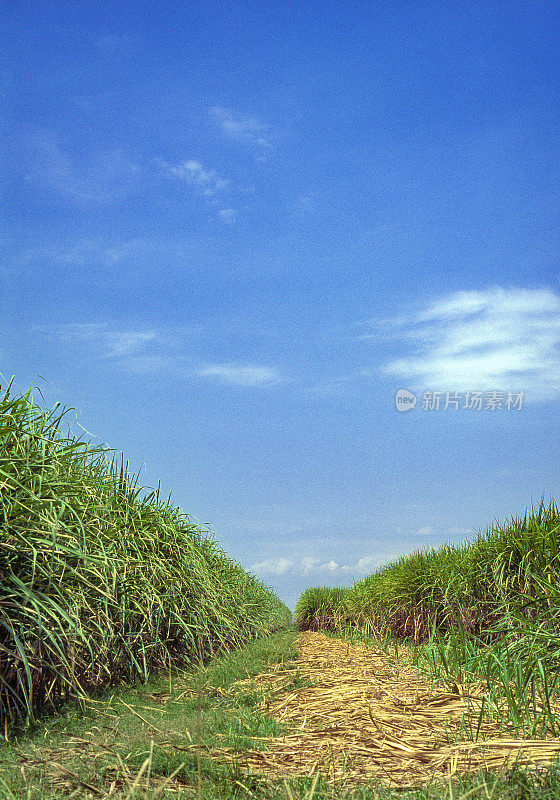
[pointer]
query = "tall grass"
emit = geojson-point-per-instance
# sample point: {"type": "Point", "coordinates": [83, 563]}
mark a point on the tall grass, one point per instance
{"type": "Point", "coordinates": [471, 586]}
{"type": "Point", "coordinates": [511, 566]}
{"type": "Point", "coordinates": [489, 608]}
{"type": "Point", "coordinates": [320, 607]}
{"type": "Point", "coordinates": [101, 581]}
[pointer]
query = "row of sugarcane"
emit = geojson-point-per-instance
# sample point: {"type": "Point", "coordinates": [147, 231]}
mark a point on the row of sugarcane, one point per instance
{"type": "Point", "coordinates": [489, 609]}
{"type": "Point", "coordinates": [102, 581]}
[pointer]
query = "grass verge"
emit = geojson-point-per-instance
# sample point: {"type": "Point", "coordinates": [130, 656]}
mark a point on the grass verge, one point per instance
{"type": "Point", "coordinates": [99, 749]}
{"type": "Point", "coordinates": [135, 744]}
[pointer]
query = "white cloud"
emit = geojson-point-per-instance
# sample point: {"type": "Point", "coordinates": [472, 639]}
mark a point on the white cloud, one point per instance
{"type": "Point", "coordinates": [241, 128]}
{"type": "Point", "coordinates": [497, 339]}
{"type": "Point", "coordinates": [106, 341]}
{"type": "Point", "coordinates": [144, 251]}
{"type": "Point", "coordinates": [148, 350]}
{"type": "Point", "coordinates": [457, 530]}
{"type": "Point", "coordinates": [366, 563]}
{"type": "Point", "coordinates": [272, 566]}
{"type": "Point", "coordinates": [205, 180]}
{"type": "Point", "coordinates": [80, 253]}
{"type": "Point", "coordinates": [124, 251]}
{"type": "Point", "coordinates": [306, 206]}
{"type": "Point", "coordinates": [233, 375]}
{"type": "Point", "coordinates": [363, 566]}
{"type": "Point", "coordinates": [227, 214]}
{"type": "Point", "coordinates": [464, 304]}
{"type": "Point", "coordinates": [285, 566]}
{"type": "Point", "coordinates": [311, 565]}
{"type": "Point", "coordinates": [308, 564]}
{"type": "Point", "coordinates": [334, 387]}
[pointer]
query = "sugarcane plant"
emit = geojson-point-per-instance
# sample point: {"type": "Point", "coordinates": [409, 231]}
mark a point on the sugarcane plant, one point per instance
{"type": "Point", "coordinates": [101, 580]}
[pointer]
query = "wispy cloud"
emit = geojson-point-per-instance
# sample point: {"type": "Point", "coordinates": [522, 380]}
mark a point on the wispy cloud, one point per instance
{"type": "Point", "coordinates": [96, 177]}
{"type": "Point", "coordinates": [240, 128]}
{"type": "Point", "coordinates": [123, 251]}
{"type": "Point", "coordinates": [308, 564]}
{"type": "Point", "coordinates": [234, 375]}
{"type": "Point", "coordinates": [147, 350]}
{"type": "Point", "coordinates": [107, 341]}
{"type": "Point", "coordinates": [99, 252]}
{"type": "Point", "coordinates": [227, 214]}
{"type": "Point", "coordinates": [504, 339]}
{"type": "Point", "coordinates": [205, 180]}
{"type": "Point", "coordinates": [458, 530]}
{"type": "Point", "coordinates": [333, 387]}
{"type": "Point", "coordinates": [77, 253]}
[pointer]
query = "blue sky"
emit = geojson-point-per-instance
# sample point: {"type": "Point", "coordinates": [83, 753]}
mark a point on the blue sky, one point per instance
{"type": "Point", "coordinates": [232, 231]}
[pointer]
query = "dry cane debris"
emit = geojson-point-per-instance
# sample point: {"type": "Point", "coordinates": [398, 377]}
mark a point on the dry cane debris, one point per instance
{"type": "Point", "coordinates": [358, 718]}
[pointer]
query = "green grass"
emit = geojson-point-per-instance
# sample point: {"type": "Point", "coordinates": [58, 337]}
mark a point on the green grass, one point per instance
{"type": "Point", "coordinates": [101, 581]}
{"type": "Point", "coordinates": [470, 585]}
{"type": "Point", "coordinates": [489, 608]}
{"type": "Point", "coordinates": [105, 741]}
{"type": "Point", "coordinates": [109, 737]}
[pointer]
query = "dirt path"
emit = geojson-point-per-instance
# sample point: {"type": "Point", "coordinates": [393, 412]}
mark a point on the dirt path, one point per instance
{"type": "Point", "coordinates": [356, 717]}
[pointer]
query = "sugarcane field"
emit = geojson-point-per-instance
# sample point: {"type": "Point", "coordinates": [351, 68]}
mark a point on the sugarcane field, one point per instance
{"type": "Point", "coordinates": [138, 660]}
{"type": "Point", "coordinates": [279, 400]}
